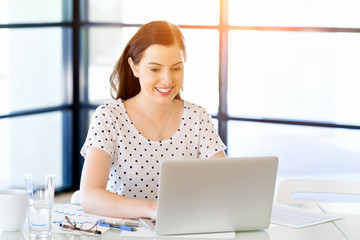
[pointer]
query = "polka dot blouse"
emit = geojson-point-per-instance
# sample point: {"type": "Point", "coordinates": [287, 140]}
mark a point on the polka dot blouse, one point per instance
{"type": "Point", "coordinates": [135, 160]}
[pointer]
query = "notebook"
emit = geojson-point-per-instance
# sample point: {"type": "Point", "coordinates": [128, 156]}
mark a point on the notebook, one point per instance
{"type": "Point", "coordinates": [214, 195]}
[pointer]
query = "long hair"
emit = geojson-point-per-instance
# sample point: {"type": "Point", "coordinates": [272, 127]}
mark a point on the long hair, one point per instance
{"type": "Point", "coordinates": [123, 83]}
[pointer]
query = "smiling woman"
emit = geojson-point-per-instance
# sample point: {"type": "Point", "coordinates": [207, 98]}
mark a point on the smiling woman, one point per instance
{"type": "Point", "coordinates": [146, 124]}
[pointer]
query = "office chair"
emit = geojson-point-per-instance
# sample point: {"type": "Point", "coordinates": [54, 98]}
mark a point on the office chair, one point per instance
{"type": "Point", "coordinates": [75, 197]}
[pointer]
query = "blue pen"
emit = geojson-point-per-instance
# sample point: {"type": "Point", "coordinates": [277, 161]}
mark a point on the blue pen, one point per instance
{"type": "Point", "coordinates": [104, 223]}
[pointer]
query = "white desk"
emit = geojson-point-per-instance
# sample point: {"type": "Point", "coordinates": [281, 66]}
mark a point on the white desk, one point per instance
{"type": "Point", "coordinates": [350, 225]}
{"type": "Point", "coordinates": [348, 228]}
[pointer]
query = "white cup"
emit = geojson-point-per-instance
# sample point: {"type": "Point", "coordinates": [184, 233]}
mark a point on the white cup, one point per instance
{"type": "Point", "coordinates": [13, 205]}
{"type": "Point", "coordinates": [19, 235]}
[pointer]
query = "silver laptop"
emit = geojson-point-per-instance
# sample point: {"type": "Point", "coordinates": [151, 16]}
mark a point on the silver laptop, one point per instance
{"type": "Point", "coordinates": [214, 195]}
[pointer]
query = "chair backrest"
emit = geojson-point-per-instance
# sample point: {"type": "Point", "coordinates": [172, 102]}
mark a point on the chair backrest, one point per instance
{"type": "Point", "coordinates": [317, 190]}
{"type": "Point", "coordinates": [75, 198]}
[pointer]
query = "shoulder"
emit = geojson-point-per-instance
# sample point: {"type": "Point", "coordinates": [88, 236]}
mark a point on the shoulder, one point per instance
{"type": "Point", "coordinates": [111, 106]}
{"type": "Point", "coordinates": [111, 109]}
{"type": "Point", "coordinates": [194, 108]}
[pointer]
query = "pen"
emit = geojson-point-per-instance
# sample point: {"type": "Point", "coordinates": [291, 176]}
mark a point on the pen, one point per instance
{"type": "Point", "coordinates": [127, 227]}
{"type": "Point", "coordinates": [129, 224]}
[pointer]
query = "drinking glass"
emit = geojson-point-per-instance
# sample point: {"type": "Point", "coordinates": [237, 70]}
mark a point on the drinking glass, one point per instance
{"type": "Point", "coordinates": [40, 188]}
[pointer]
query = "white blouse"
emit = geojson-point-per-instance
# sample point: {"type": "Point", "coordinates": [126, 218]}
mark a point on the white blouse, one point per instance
{"type": "Point", "coordinates": [135, 160]}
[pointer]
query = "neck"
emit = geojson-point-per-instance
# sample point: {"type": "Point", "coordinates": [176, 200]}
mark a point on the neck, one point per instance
{"type": "Point", "coordinates": [151, 108]}
{"type": "Point", "coordinates": [156, 115]}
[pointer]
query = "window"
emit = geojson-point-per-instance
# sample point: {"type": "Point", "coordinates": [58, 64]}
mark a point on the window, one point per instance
{"type": "Point", "coordinates": [277, 80]}
{"type": "Point", "coordinates": [35, 91]}
{"type": "Point", "coordinates": [292, 82]}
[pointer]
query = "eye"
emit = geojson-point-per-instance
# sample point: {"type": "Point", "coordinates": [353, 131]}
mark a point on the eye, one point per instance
{"type": "Point", "coordinates": [154, 69]}
{"type": "Point", "coordinates": [178, 68]}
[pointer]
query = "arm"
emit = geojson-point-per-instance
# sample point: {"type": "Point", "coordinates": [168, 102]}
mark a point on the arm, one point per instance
{"type": "Point", "coordinates": [219, 155]}
{"type": "Point", "coordinates": [96, 199]}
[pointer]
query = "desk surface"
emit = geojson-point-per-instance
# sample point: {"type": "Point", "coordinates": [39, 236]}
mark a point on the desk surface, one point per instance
{"type": "Point", "coordinates": [347, 228]}
{"type": "Point", "coordinates": [350, 225]}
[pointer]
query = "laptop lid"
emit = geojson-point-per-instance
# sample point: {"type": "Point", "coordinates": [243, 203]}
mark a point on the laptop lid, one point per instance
{"type": "Point", "coordinates": [215, 195]}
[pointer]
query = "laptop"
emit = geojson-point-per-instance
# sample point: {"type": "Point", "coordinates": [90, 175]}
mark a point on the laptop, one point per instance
{"type": "Point", "coordinates": [214, 195]}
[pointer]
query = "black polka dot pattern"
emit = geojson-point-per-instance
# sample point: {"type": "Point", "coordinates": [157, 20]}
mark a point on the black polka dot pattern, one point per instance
{"type": "Point", "coordinates": [135, 160]}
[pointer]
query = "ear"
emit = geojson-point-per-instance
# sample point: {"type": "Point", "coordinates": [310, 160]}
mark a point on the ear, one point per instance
{"type": "Point", "coordinates": [133, 67]}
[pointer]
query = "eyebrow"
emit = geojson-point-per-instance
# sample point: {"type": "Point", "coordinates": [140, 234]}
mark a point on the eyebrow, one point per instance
{"type": "Point", "coordinates": [181, 62]}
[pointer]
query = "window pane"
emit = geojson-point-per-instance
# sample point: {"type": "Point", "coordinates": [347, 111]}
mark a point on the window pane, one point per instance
{"type": "Point", "coordinates": [201, 81]}
{"type": "Point", "coordinates": [31, 144]}
{"type": "Point", "coordinates": [303, 151]}
{"type": "Point", "coordinates": [315, 13]}
{"type": "Point", "coordinates": [35, 11]}
{"type": "Point", "coordinates": [295, 75]}
{"type": "Point", "coordinates": [103, 57]}
{"type": "Point", "coordinates": [33, 74]}
{"type": "Point", "coordinates": [143, 11]}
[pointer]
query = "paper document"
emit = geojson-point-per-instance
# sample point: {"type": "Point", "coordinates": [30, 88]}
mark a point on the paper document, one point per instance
{"type": "Point", "coordinates": [295, 217]}
{"type": "Point", "coordinates": [145, 232]}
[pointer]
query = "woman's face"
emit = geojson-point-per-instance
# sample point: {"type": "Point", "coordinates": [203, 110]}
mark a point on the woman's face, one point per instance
{"type": "Point", "coordinates": [160, 72]}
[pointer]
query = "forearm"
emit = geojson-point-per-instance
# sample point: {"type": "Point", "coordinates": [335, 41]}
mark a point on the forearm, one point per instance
{"type": "Point", "coordinates": [102, 202]}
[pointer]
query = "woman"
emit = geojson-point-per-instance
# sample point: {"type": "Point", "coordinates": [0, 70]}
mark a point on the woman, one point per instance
{"type": "Point", "coordinates": [147, 123]}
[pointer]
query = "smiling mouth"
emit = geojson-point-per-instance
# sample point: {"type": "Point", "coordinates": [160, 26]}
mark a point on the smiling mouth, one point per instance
{"type": "Point", "coordinates": [164, 90]}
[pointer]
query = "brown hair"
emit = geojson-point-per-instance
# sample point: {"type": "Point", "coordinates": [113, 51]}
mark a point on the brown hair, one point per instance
{"type": "Point", "coordinates": [124, 84]}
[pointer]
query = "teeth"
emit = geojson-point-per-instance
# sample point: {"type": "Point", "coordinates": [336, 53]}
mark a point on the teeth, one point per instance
{"type": "Point", "coordinates": [164, 90]}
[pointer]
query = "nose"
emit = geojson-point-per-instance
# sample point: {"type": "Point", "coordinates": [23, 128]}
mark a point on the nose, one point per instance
{"type": "Point", "coordinates": [166, 77]}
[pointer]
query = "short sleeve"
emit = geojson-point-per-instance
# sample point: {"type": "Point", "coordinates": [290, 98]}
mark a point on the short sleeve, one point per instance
{"type": "Point", "coordinates": [101, 132]}
{"type": "Point", "coordinates": [209, 143]}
